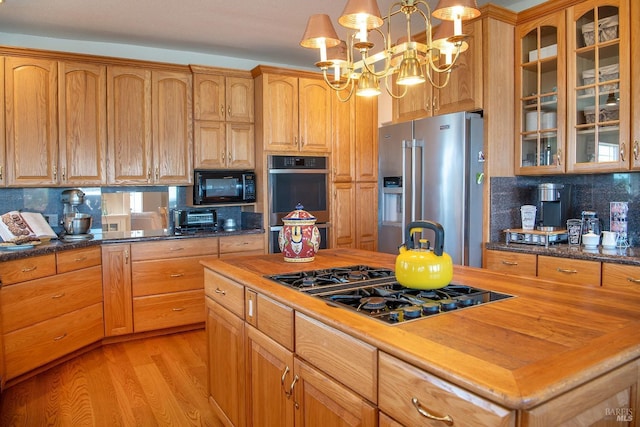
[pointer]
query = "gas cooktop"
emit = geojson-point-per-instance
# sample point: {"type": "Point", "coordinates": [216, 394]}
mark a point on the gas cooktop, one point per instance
{"type": "Point", "coordinates": [374, 292]}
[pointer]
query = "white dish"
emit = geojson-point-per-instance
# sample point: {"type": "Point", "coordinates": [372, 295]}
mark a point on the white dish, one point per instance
{"type": "Point", "coordinates": [16, 247]}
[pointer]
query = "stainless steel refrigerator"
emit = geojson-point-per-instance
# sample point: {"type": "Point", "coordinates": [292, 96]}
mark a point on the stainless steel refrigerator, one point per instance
{"type": "Point", "coordinates": [433, 169]}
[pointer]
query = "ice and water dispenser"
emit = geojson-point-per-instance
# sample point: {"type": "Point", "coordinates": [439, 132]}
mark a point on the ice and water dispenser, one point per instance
{"type": "Point", "coordinates": [392, 199]}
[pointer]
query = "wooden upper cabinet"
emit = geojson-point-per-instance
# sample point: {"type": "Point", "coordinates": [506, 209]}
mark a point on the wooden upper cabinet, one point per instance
{"type": "Point", "coordinates": [463, 92]}
{"type": "Point", "coordinates": [224, 136]}
{"type": "Point", "coordinates": [149, 126]}
{"type": "Point", "coordinates": [294, 113]}
{"type": "Point", "coordinates": [129, 125]}
{"type": "Point", "coordinates": [31, 121]}
{"type": "Point", "coordinates": [343, 132]}
{"type": "Point", "coordinates": [223, 98]}
{"type": "Point", "coordinates": [280, 109]}
{"type": "Point", "coordinates": [314, 115]}
{"type": "Point", "coordinates": [3, 136]}
{"type": "Point", "coordinates": [172, 127]}
{"type": "Point", "coordinates": [366, 137]}
{"type": "Point", "coordinates": [82, 101]}
{"type": "Point", "coordinates": [598, 82]}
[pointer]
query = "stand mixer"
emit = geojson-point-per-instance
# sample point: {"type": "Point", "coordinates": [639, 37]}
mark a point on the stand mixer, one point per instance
{"type": "Point", "coordinates": [76, 225]}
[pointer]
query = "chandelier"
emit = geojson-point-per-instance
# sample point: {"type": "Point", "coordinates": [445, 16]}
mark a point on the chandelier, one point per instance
{"type": "Point", "coordinates": [415, 57]}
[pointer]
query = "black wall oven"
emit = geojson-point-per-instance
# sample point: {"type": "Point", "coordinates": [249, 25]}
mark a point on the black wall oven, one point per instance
{"type": "Point", "coordinates": [293, 180]}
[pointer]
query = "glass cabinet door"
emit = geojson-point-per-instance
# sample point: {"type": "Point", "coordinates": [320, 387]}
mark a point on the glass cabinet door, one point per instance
{"type": "Point", "coordinates": [541, 103]}
{"type": "Point", "coordinates": [598, 79]}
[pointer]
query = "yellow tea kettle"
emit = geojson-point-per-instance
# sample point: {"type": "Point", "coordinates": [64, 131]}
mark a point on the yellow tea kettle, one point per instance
{"type": "Point", "coordinates": [420, 267]}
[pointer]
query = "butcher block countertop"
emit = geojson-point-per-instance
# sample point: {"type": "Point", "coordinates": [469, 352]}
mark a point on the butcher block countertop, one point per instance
{"type": "Point", "coordinates": [518, 352]}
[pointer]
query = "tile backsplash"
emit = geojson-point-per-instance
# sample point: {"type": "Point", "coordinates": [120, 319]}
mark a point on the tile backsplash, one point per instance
{"type": "Point", "coordinates": [48, 202]}
{"type": "Point", "coordinates": [588, 192]}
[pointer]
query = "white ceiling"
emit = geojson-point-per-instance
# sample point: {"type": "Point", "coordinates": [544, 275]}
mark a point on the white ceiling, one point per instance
{"type": "Point", "coordinates": [266, 31]}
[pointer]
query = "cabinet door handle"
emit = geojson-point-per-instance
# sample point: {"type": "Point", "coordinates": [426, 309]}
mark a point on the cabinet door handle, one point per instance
{"type": "Point", "coordinates": [178, 309]}
{"type": "Point", "coordinates": [514, 263]}
{"type": "Point", "coordinates": [635, 149]}
{"type": "Point", "coordinates": [564, 270]}
{"type": "Point", "coordinates": [175, 275]}
{"type": "Point", "coordinates": [126, 256]}
{"type": "Point", "coordinates": [149, 174]}
{"type": "Point", "coordinates": [284, 375]}
{"type": "Point", "coordinates": [57, 296]}
{"type": "Point", "coordinates": [157, 173]}
{"type": "Point", "coordinates": [559, 156]}
{"type": "Point", "coordinates": [64, 173]}
{"type": "Point", "coordinates": [293, 384]}
{"type": "Point", "coordinates": [623, 147]}
{"type": "Point", "coordinates": [229, 111]}
{"type": "Point", "coordinates": [632, 280]}
{"type": "Point", "coordinates": [59, 337]}
{"type": "Point", "coordinates": [1, 177]}
{"type": "Point", "coordinates": [229, 157]}
{"type": "Point", "coordinates": [222, 110]}
{"type": "Point", "coordinates": [29, 269]}
{"type": "Point", "coordinates": [446, 419]}
{"type": "Point", "coordinates": [54, 169]}
{"type": "Point", "coordinates": [220, 291]}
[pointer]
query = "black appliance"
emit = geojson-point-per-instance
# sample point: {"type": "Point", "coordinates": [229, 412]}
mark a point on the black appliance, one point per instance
{"type": "Point", "coordinates": [223, 187]}
{"type": "Point", "coordinates": [374, 292]}
{"type": "Point", "coordinates": [293, 180]}
{"type": "Point", "coordinates": [188, 221]}
{"type": "Point", "coordinates": [553, 206]}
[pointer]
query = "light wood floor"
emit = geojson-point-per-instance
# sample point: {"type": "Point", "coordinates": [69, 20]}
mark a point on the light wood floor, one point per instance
{"type": "Point", "coordinates": [158, 381]}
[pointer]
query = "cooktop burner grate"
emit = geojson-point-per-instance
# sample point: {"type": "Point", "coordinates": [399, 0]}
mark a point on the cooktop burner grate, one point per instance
{"type": "Point", "coordinates": [374, 292]}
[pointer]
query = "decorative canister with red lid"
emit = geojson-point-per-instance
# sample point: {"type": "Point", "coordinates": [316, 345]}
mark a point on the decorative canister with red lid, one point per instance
{"type": "Point", "coordinates": [299, 238]}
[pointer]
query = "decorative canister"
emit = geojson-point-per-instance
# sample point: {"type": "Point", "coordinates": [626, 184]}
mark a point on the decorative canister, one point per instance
{"type": "Point", "coordinates": [299, 238]}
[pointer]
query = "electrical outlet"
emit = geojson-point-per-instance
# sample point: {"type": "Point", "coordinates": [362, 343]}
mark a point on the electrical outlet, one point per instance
{"type": "Point", "coordinates": [52, 219]}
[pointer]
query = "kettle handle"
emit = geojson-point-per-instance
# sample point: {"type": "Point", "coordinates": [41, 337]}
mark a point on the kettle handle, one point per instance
{"type": "Point", "coordinates": [438, 245]}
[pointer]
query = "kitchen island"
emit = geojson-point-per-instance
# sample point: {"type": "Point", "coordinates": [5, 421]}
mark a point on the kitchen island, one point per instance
{"type": "Point", "coordinates": [552, 354]}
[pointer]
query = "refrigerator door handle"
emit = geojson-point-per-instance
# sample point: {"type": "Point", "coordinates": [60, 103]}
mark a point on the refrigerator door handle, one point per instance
{"type": "Point", "coordinates": [417, 182]}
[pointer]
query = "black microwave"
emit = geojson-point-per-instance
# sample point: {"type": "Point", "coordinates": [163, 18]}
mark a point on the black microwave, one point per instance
{"type": "Point", "coordinates": [220, 187]}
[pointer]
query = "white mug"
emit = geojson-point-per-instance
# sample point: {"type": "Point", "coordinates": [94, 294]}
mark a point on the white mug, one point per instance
{"type": "Point", "coordinates": [609, 238]}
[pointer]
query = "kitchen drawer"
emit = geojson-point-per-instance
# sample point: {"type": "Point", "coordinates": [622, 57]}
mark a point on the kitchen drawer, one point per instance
{"type": "Point", "coordinates": [168, 310]}
{"type": "Point", "coordinates": [242, 244]}
{"type": "Point", "coordinates": [224, 291]}
{"type": "Point", "coordinates": [27, 303]}
{"type": "Point", "coordinates": [621, 277]}
{"type": "Point", "coordinates": [168, 275]}
{"type": "Point", "coordinates": [174, 248]}
{"type": "Point", "coordinates": [400, 384]}
{"type": "Point", "coordinates": [346, 359]}
{"type": "Point", "coordinates": [270, 317]}
{"type": "Point", "coordinates": [78, 258]}
{"type": "Point", "coordinates": [21, 270]}
{"type": "Point", "coordinates": [31, 347]}
{"type": "Point", "coordinates": [575, 271]}
{"type": "Point", "coordinates": [511, 263]}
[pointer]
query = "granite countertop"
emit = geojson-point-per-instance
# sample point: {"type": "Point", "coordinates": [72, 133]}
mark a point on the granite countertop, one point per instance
{"type": "Point", "coordinates": [629, 255]}
{"type": "Point", "coordinates": [99, 238]}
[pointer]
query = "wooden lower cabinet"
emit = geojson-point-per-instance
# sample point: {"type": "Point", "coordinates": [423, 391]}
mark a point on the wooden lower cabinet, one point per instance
{"type": "Point", "coordinates": [576, 271]}
{"type": "Point", "coordinates": [621, 277]}
{"type": "Point", "coordinates": [116, 289]}
{"type": "Point", "coordinates": [226, 362]}
{"type": "Point", "coordinates": [270, 381]}
{"type": "Point", "coordinates": [321, 401]}
{"type": "Point", "coordinates": [511, 263]}
{"type": "Point", "coordinates": [46, 318]}
{"type": "Point", "coordinates": [606, 401]}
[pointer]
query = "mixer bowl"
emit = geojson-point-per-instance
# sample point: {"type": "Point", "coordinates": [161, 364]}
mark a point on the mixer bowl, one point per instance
{"type": "Point", "coordinates": [77, 223]}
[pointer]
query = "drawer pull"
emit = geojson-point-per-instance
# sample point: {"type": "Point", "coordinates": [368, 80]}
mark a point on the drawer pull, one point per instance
{"type": "Point", "coordinates": [56, 296]}
{"type": "Point", "coordinates": [514, 263]}
{"type": "Point", "coordinates": [178, 309]}
{"type": "Point", "coordinates": [83, 258]}
{"type": "Point", "coordinates": [176, 249]}
{"type": "Point", "coordinates": [284, 374]}
{"type": "Point", "coordinates": [632, 280]}
{"type": "Point", "coordinates": [177, 275]}
{"type": "Point", "coordinates": [29, 269]}
{"type": "Point", "coordinates": [220, 291]}
{"type": "Point", "coordinates": [59, 337]}
{"type": "Point", "coordinates": [564, 270]}
{"type": "Point", "coordinates": [446, 419]}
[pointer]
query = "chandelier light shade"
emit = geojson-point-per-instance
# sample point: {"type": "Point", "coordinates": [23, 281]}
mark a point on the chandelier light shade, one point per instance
{"type": "Point", "coordinates": [410, 61]}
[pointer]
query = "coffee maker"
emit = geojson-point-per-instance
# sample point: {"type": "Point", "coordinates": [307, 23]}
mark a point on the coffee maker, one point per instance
{"type": "Point", "coordinates": [553, 206]}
